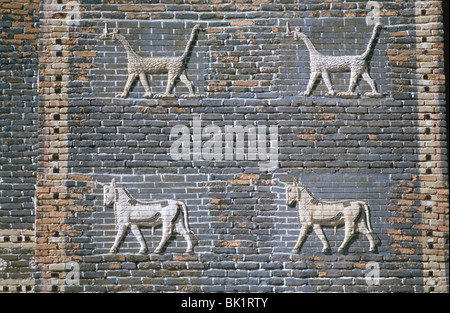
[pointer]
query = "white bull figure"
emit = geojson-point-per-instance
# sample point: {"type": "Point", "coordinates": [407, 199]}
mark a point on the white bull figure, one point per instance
{"type": "Point", "coordinates": [353, 214]}
{"type": "Point", "coordinates": [129, 212]}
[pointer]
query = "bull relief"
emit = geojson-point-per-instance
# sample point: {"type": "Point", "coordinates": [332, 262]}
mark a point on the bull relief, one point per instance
{"type": "Point", "coordinates": [140, 66]}
{"type": "Point", "coordinates": [129, 212]}
{"type": "Point", "coordinates": [312, 212]}
{"type": "Point", "coordinates": [323, 65]}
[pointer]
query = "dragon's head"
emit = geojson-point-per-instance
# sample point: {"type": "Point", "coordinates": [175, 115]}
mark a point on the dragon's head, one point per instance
{"type": "Point", "coordinates": [295, 34]}
{"type": "Point", "coordinates": [109, 35]}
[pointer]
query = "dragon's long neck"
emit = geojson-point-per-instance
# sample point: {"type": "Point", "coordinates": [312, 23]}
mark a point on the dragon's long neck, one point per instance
{"type": "Point", "coordinates": [130, 52]}
{"type": "Point", "coordinates": [312, 50]}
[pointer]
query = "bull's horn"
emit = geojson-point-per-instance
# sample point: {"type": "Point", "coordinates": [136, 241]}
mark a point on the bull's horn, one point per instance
{"type": "Point", "coordinates": [105, 30]}
{"type": "Point", "coordinates": [288, 29]}
{"type": "Point", "coordinates": [113, 182]}
{"type": "Point", "coordinates": [276, 180]}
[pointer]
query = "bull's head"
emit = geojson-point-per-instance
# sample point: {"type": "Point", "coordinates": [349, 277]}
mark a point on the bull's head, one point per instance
{"type": "Point", "coordinates": [109, 194]}
{"type": "Point", "coordinates": [292, 194]}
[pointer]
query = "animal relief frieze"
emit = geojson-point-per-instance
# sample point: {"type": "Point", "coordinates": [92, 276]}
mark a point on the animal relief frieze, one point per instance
{"type": "Point", "coordinates": [322, 65]}
{"type": "Point", "coordinates": [132, 213]}
{"type": "Point", "coordinates": [138, 66]}
{"type": "Point", "coordinates": [315, 213]}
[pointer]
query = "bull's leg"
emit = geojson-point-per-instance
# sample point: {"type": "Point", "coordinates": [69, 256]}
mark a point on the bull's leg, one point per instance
{"type": "Point", "coordinates": [349, 232]}
{"type": "Point", "coordinates": [166, 233]}
{"type": "Point", "coordinates": [187, 237]}
{"type": "Point", "coordinates": [185, 233]}
{"type": "Point", "coordinates": [363, 228]}
{"type": "Point", "coordinates": [321, 235]}
{"type": "Point", "coordinates": [303, 232]}
{"type": "Point", "coordinates": [122, 228]}
{"type": "Point", "coordinates": [137, 233]}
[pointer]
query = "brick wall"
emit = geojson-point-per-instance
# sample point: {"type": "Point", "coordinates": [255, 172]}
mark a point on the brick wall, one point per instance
{"type": "Point", "coordinates": [388, 151]}
{"type": "Point", "coordinates": [19, 33]}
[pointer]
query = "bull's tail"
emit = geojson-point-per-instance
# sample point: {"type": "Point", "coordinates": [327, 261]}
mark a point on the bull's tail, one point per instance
{"type": "Point", "coordinates": [184, 208]}
{"type": "Point", "coordinates": [368, 225]}
{"type": "Point", "coordinates": [186, 224]}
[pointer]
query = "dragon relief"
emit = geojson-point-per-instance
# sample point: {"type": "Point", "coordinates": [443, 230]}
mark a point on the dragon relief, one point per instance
{"type": "Point", "coordinates": [141, 66]}
{"type": "Point", "coordinates": [322, 65]}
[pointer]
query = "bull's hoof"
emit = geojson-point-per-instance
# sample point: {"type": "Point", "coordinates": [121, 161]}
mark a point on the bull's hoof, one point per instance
{"type": "Point", "coordinates": [348, 95]}
{"type": "Point", "coordinates": [165, 96]}
{"type": "Point", "coordinates": [189, 96]}
{"type": "Point", "coordinates": [143, 251]}
{"type": "Point", "coordinates": [326, 250]}
{"type": "Point", "coordinates": [295, 250]}
{"type": "Point", "coordinates": [158, 251]}
{"type": "Point", "coordinates": [189, 250]}
{"type": "Point", "coordinates": [112, 251]}
{"type": "Point", "coordinates": [304, 93]}
{"type": "Point", "coordinates": [341, 250]}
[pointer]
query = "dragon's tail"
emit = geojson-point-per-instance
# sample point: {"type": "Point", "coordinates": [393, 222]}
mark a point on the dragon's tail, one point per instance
{"type": "Point", "coordinates": [372, 40]}
{"type": "Point", "coordinates": [191, 40]}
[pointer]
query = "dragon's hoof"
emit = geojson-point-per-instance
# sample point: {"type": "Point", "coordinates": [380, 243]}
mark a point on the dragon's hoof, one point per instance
{"type": "Point", "coordinates": [374, 94]}
{"type": "Point", "coordinates": [160, 96]}
{"type": "Point", "coordinates": [348, 95]}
